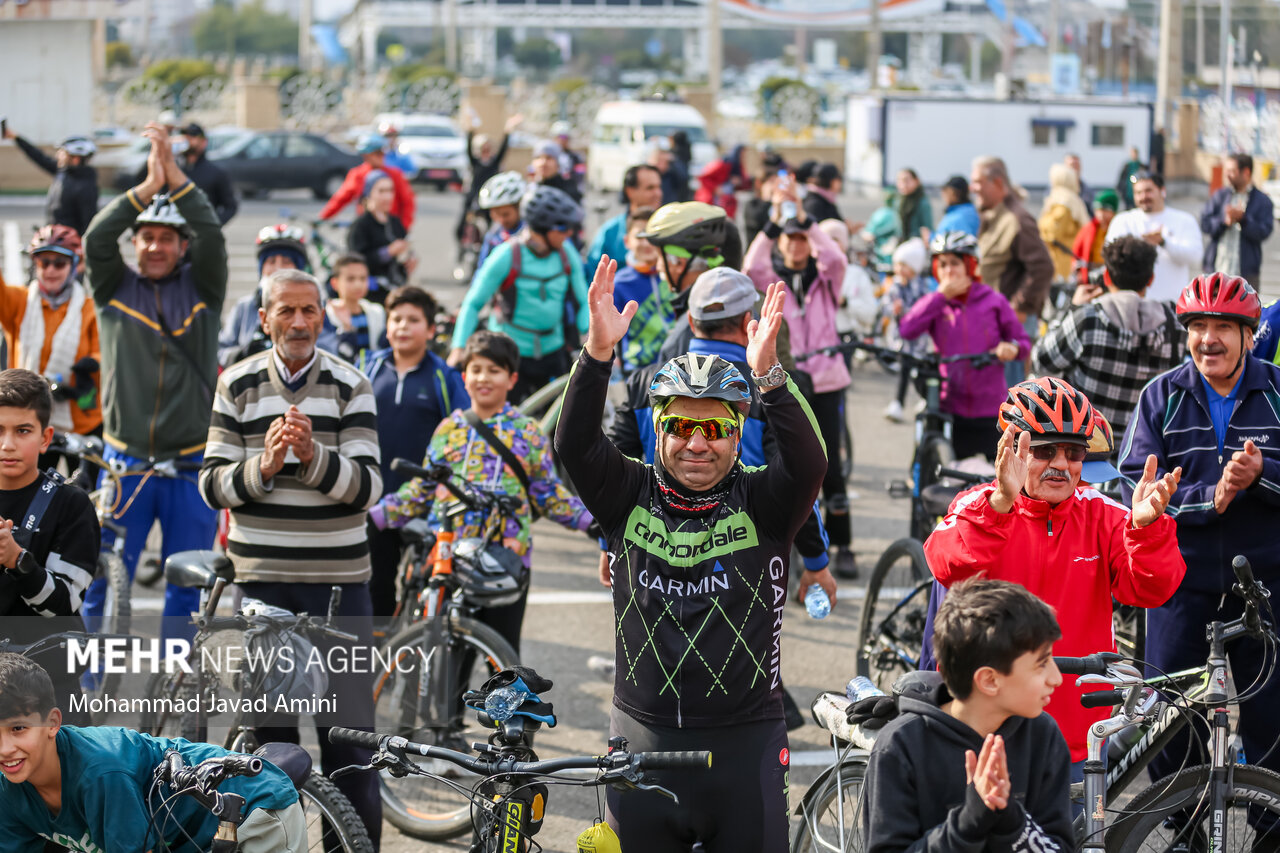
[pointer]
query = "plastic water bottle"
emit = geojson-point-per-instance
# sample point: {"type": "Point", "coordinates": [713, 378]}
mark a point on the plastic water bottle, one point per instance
{"type": "Point", "coordinates": [860, 687]}
{"type": "Point", "coordinates": [1238, 742]}
{"type": "Point", "coordinates": [503, 702]}
{"type": "Point", "coordinates": [788, 207]}
{"type": "Point", "coordinates": [817, 602]}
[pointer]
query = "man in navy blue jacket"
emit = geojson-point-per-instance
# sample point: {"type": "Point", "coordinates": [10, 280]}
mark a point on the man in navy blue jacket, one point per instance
{"type": "Point", "coordinates": [414, 390]}
{"type": "Point", "coordinates": [1215, 416]}
{"type": "Point", "coordinates": [1237, 218]}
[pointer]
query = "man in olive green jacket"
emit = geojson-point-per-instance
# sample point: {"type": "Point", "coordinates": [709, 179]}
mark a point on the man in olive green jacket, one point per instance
{"type": "Point", "coordinates": [158, 327]}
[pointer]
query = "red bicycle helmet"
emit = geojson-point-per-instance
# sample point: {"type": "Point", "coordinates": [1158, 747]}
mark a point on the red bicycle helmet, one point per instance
{"type": "Point", "coordinates": [1219, 295]}
{"type": "Point", "coordinates": [62, 239]}
{"type": "Point", "coordinates": [1048, 408]}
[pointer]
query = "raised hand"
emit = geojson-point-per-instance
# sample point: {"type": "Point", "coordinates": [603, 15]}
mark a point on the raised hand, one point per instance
{"type": "Point", "coordinates": [1151, 495]}
{"type": "Point", "coordinates": [1013, 460]}
{"type": "Point", "coordinates": [988, 772]}
{"type": "Point", "coordinates": [608, 324]}
{"type": "Point", "coordinates": [762, 334]}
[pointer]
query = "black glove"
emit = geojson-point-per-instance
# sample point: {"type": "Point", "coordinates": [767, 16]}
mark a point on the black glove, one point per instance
{"type": "Point", "coordinates": [594, 531]}
{"type": "Point", "coordinates": [62, 391]}
{"type": "Point", "coordinates": [873, 712]}
{"type": "Point", "coordinates": [87, 365]}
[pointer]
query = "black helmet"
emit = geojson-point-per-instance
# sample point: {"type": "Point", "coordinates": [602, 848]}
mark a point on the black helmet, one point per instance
{"type": "Point", "coordinates": [544, 208]}
{"type": "Point", "coordinates": [698, 230]}
{"type": "Point", "coordinates": [953, 243]}
{"type": "Point", "coordinates": [492, 575]}
{"type": "Point", "coordinates": [701, 376]}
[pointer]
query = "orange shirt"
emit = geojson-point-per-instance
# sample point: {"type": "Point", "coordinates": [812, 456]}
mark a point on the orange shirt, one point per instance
{"type": "Point", "coordinates": [13, 308]}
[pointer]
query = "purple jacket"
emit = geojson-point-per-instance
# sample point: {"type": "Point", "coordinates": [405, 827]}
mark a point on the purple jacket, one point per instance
{"type": "Point", "coordinates": [976, 323]}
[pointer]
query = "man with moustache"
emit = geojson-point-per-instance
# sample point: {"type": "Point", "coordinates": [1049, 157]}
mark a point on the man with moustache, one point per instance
{"type": "Point", "coordinates": [1215, 417]}
{"type": "Point", "coordinates": [1072, 547]}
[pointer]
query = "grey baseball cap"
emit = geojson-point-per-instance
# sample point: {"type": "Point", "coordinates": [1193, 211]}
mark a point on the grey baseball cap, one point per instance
{"type": "Point", "coordinates": [721, 293]}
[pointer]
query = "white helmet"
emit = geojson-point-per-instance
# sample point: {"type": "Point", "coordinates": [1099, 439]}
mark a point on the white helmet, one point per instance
{"type": "Point", "coordinates": [78, 146]}
{"type": "Point", "coordinates": [561, 128]}
{"type": "Point", "coordinates": [162, 211]}
{"type": "Point", "coordinates": [502, 189]}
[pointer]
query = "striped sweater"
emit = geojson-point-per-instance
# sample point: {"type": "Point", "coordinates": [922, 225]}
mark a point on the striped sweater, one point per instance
{"type": "Point", "coordinates": [305, 524]}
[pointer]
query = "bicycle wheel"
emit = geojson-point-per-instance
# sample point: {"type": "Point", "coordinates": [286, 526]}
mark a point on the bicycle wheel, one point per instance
{"type": "Point", "coordinates": [1129, 624]}
{"type": "Point", "coordinates": [891, 625]}
{"type": "Point", "coordinates": [333, 825]}
{"type": "Point", "coordinates": [935, 452]}
{"type": "Point", "coordinates": [421, 806]}
{"type": "Point", "coordinates": [830, 813]}
{"type": "Point", "coordinates": [117, 607]}
{"type": "Point", "coordinates": [161, 717]}
{"type": "Point", "coordinates": [1174, 812]}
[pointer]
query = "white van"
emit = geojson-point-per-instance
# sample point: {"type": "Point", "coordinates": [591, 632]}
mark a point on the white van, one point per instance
{"type": "Point", "coordinates": [622, 133]}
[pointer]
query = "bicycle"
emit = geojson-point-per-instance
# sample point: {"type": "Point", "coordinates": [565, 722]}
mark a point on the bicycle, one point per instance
{"type": "Point", "coordinates": [436, 648]}
{"type": "Point", "coordinates": [201, 784]}
{"type": "Point", "coordinates": [332, 822]}
{"type": "Point", "coordinates": [508, 799]}
{"type": "Point", "coordinates": [1149, 713]}
{"type": "Point", "coordinates": [325, 251]}
{"type": "Point", "coordinates": [1190, 807]}
{"type": "Point", "coordinates": [470, 239]}
{"type": "Point", "coordinates": [117, 610]}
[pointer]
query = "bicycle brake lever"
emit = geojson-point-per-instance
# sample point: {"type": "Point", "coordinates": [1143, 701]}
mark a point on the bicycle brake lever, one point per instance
{"type": "Point", "coordinates": [1119, 680]}
{"type": "Point", "coordinates": [352, 768]}
{"type": "Point", "coordinates": [649, 786]}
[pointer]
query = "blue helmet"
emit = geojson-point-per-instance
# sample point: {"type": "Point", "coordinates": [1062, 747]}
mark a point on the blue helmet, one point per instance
{"type": "Point", "coordinates": [371, 144]}
{"type": "Point", "coordinates": [700, 376]}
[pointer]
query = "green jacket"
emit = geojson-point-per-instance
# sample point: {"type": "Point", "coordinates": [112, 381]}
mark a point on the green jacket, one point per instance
{"type": "Point", "coordinates": [155, 402]}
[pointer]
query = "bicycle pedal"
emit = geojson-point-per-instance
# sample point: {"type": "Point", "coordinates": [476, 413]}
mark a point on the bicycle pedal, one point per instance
{"type": "Point", "coordinates": [898, 489]}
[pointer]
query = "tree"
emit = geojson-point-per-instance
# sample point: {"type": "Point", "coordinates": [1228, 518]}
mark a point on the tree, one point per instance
{"type": "Point", "coordinates": [179, 72]}
{"type": "Point", "coordinates": [250, 29]}
{"type": "Point", "coordinates": [119, 55]}
{"type": "Point", "coordinates": [537, 53]}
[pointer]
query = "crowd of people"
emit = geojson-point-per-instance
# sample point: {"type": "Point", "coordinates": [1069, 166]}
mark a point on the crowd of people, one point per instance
{"type": "Point", "coordinates": [725, 455]}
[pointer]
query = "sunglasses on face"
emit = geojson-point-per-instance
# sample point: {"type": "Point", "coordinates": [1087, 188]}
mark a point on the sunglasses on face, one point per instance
{"type": "Point", "coordinates": [55, 261]}
{"type": "Point", "coordinates": [712, 428]}
{"type": "Point", "coordinates": [1049, 452]}
{"type": "Point", "coordinates": [561, 227]}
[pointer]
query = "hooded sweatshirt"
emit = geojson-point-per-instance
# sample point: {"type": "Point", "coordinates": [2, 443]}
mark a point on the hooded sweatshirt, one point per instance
{"type": "Point", "coordinates": [1110, 348]}
{"type": "Point", "coordinates": [915, 796]}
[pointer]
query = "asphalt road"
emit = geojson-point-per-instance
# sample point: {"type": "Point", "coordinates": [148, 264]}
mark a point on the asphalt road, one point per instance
{"type": "Point", "coordinates": [570, 617]}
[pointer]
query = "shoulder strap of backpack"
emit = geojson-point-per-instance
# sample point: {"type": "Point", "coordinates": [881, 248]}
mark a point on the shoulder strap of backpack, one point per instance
{"type": "Point", "coordinates": [513, 272]}
{"type": "Point", "coordinates": [507, 455]}
{"type": "Point", "coordinates": [50, 481]}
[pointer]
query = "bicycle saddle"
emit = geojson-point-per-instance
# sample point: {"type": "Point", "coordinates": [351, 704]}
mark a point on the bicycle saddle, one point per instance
{"type": "Point", "coordinates": [289, 757]}
{"type": "Point", "coordinates": [937, 498]}
{"type": "Point", "coordinates": [417, 531]}
{"type": "Point", "coordinates": [198, 569]}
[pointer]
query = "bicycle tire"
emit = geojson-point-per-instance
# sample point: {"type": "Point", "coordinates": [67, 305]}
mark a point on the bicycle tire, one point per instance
{"type": "Point", "coordinates": [823, 827]}
{"type": "Point", "coordinates": [934, 452]}
{"type": "Point", "coordinates": [117, 613]}
{"type": "Point", "coordinates": [446, 814]}
{"type": "Point", "coordinates": [871, 661]}
{"type": "Point", "coordinates": [333, 824]}
{"type": "Point", "coordinates": [173, 686]}
{"type": "Point", "coordinates": [1257, 787]}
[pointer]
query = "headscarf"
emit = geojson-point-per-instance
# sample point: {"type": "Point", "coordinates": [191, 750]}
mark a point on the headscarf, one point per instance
{"type": "Point", "coordinates": [908, 204]}
{"type": "Point", "coordinates": [369, 180]}
{"type": "Point", "coordinates": [1064, 189]}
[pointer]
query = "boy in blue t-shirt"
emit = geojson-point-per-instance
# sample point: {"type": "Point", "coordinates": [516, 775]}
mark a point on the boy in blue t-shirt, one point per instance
{"type": "Point", "coordinates": [90, 789]}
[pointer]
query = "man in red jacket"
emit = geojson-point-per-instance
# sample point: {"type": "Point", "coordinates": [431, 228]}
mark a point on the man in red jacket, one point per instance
{"type": "Point", "coordinates": [372, 149]}
{"type": "Point", "coordinates": [1071, 546]}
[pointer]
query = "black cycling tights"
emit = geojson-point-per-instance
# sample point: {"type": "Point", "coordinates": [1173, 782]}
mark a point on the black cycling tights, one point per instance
{"type": "Point", "coordinates": [738, 806]}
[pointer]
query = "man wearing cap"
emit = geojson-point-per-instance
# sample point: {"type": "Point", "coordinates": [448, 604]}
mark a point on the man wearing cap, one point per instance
{"type": "Point", "coordinates": [812, 267]}
{"type": "Point", "coordinates": [545, 169]}
{"type": "Point", "coordinates": [1075, 549]}
{"type": "Point", "coordinates": [372, 149]}
{"type": "Point", "coordinates": [158, 329]}
{"type": "Point", "coordinates": [210, 178]}
{"type": "Point", "coordinates": [1114, 340]}
{"type": "Point", "coordinates": [73, 198]}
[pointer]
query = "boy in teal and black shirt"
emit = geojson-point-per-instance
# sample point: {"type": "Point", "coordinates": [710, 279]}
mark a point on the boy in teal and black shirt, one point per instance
{"type": "Point", "coordinates": [90, 789]}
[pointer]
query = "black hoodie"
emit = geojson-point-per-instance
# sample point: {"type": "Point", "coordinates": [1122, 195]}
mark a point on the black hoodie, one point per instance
{"type": "Point", "coordinates": [915, 796]}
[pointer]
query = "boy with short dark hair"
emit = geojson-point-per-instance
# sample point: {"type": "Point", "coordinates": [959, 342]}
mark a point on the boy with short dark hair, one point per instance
{"type": "Point", "coordinates": [356, 326]}
{"type": "Point", "coordinates": [89, 789]}
{"type": "Point", "coordinates": [490, 369]}
{"type": "Point", "coordinates": [414, 390]}
{"type": "Point", "coordinates": [49, 535]}
{"type": "Point", "coordinates": [994, 643]}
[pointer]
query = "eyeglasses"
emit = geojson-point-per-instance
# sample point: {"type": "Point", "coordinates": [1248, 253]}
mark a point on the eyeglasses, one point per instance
{"type": "Point", "coordinates": [561, 227]}
{"type": "Point", "coordinates": [712, 428]}
{"type": "Point", "coordinates": [1049, 452]}
{"type": "Point", "coordinates": [56, 261]}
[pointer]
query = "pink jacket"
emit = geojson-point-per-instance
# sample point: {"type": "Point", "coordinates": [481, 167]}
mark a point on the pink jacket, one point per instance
{"type": "Point", "coordinates": [813, 324]}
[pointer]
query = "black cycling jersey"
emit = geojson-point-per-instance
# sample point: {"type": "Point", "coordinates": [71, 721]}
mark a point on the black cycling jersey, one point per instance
{"type": "Point", "coordinates": [699, 579]}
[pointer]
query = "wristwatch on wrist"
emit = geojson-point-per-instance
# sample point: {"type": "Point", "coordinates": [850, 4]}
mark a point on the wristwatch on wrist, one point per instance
{"type": "Point", "coordinates": [24, 565]}
{"type": "Point", "coordinates": [772, 378]}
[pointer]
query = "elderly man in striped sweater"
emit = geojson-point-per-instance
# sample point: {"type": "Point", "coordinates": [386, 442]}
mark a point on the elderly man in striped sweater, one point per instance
{"type": "Point", "coordinates": [293, 453]}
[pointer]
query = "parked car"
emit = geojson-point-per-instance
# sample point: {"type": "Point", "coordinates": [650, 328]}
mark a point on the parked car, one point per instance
{"type": "Point", "coordinates": [435, 145]}
{"type": "Point", "coordinates": [624, 130]}
{"type": "Point", "coordinates": [284, 160]}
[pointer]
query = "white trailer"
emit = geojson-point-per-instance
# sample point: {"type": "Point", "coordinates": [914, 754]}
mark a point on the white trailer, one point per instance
{"type": "Point", "coordinates": [940, 137]}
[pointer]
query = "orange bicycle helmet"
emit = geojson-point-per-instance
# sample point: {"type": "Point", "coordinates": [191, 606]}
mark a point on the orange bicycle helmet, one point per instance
{"type": "Point", "coordinates": [1219, 295]}
{"type": "Point", "coordinates": [1050, 409]}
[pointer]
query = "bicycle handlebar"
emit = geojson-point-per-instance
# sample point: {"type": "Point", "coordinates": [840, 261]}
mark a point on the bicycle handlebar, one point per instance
{"type": "Point", "coordinates": [1102, 699]}
{"type": "Point", "coordinates": [967, 477]}
{"type": "Point", "coordinates": [1091, 665]}
{"type": "Point", "coordinates": [979, 359]}
{"type": "Point", "coordinates": [471, 497]}
{"type": "Point", "coordinates": [394, 745]}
